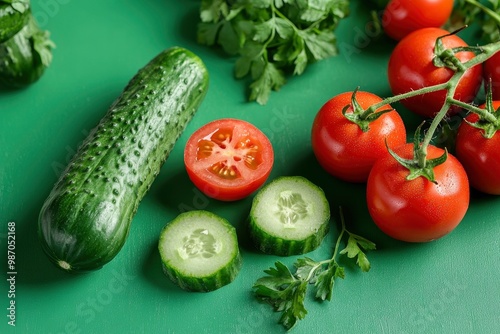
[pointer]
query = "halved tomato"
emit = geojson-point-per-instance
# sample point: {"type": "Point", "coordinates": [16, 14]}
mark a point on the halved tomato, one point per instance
{"type": "Point", "coordinates": [228, 159]}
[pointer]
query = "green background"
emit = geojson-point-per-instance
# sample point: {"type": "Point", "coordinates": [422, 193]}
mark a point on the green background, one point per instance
{"type": "Point", "coordinates": [447, 286]}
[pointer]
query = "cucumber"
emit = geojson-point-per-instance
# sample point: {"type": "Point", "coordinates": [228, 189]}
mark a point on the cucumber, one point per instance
{"type": "Point", "coordinates": [25, 56]}
{"type": "Point", "coordinates": [199, 251]}
{"type": "Point", "coordinates": [86, 218]}
{"type": "Point", "coordinates": [289, 216]}
{"type": "Point", "coordinates": [13, 17]}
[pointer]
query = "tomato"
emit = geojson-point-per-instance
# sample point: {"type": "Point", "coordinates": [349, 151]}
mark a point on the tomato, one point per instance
{"type": "Point", "coordinates": [401, 17]}
{"type": "Point", "coordinates": [411, 67]}
{"type": "Point", "coordinates": [228, 159]}
{"type": "Point", "coordinates": [342, 148]}
{"type": "Point", "coordinates": [491, 69]}
{"type": "Point", "coordinates": [417, 210]}
{"type": "Point", "coordinates": [480, 156]}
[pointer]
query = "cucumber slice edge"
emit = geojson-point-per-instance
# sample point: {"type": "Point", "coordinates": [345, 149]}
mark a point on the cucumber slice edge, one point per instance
{"type": "Point", "coordinates": [199, 251]}
{"type": "Point", "coordinates": [304, 201]}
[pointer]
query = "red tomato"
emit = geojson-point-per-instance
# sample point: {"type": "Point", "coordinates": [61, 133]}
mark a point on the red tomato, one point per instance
{"type": "Point", "coordinates": [480, 156]}
{"type": "Point", "coordinates": [491, 68]}
{"type": "Point", "coordinates": [401, 17]}
{"type": "Point", "coordinates": [411, 67]}
{"type": "Point", "coordinates": [228, 159]}
{"type": "Point", "coordinates": [342, 148]}
{"type": "Point", "coordinates": [417, 210]}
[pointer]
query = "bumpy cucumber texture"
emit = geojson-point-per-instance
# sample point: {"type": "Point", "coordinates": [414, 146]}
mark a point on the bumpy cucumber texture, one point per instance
{"type": "Point", "coordinates": [289, 216]}
{"type": "Point", "coordinates": [199, 251]}
{"type": "Point", "coordinates": [86, 218]}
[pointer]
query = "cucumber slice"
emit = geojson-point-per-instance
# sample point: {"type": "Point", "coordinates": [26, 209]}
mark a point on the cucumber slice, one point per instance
{"type": "Point", "coordinates": [199, 251]}
{"type": "Point", "coordinates": [289, 216]}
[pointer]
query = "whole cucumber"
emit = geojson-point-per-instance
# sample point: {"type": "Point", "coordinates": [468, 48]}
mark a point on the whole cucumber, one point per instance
{"type": "Point", "coordinates": [86, 218]}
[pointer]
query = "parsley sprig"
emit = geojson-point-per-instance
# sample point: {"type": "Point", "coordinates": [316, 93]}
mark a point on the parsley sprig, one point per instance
{"type": "Point", "coordinates": [486, 14]}
{"type": "Point", "coordinates": [286, 291]}
{"type": "Point", "coordinates": [271, 38]}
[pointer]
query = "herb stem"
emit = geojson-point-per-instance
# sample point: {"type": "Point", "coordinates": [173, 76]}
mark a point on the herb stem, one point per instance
{"type": "Point", "coordinates": [335, 251]}
{"type": "Point", "coordinates": [333, 259]}
{"type": "Point", "coordinates": [485, 9]}
{"type": "Point", "coordinates": [276, 11]}
{"type": "Point", "coordinates": [341, 234]}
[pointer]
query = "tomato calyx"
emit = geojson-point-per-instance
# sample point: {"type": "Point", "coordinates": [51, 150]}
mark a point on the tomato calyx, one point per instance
{"type": "Point", "coordinates": [488, 118]}
{"type": "Point", "coordinates": [361, 117]}
{"type": "Point", "coordinates": [446, 57]}
{"type": "Point", "coordinates": [419, 165]}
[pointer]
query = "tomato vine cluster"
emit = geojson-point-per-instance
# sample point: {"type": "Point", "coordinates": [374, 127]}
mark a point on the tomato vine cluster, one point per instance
{"type": "Point", "coordinates": [416, 191]}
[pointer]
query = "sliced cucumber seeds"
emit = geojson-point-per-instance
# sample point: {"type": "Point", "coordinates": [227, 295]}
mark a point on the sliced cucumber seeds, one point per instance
{"type": "Point", "coordinates": [199, 251]}
{"type": "Point", "coordinates": [289, 216]}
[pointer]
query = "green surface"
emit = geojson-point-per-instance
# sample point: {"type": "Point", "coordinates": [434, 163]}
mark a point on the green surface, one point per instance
{"type": "Point", "coordinates": [447, 286]}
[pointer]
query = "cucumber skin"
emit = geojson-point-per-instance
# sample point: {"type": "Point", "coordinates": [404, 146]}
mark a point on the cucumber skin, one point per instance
{"type": "Point", "coordinates": [275, 245]}
{"type": "Point", "coordinates": [206, 284]}
{"type": "Point", "coordinates": [283, 247]}
{"type": "Point", "coordinates": [86, 218]}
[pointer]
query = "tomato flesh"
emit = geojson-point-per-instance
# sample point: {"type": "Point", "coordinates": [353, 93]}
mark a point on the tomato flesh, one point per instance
{"type": "Point", "coordinates": [417, 210]}
{"type": "Point", "coordinates": [228, 159]}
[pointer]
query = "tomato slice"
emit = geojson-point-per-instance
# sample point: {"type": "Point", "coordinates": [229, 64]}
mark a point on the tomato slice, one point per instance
{"type": "Point", "coordinates": [228, 159]}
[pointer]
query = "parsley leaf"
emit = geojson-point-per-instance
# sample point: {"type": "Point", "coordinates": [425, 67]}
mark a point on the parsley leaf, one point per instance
{"type": "Point", "coordinates": [326, 280]}
{"type": "Point", "coordinates": [354, 247]}
{"type": "Point", "coordinates": [43, 45]}
{"type": "Point", "coordinates": [269, 78]}
{"type": "Point", "coordinates": [41, 42]}
{"type": "Point", "coordinates": [486, 14]}
{"type": "Point", "coordinates": [271, 38]}
{"type": "Point", "coordinates": [286, 291]}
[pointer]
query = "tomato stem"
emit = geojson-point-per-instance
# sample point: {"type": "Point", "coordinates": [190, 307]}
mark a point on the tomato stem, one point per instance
{"type": "Point", "coordinates": [439, 117]}
{"type": "Point", "coordinates": [486, 52]}
{"type": "Point", "coordinates": [482, 54]}
{"type": "Point", "coordinates": [412, 93]}
{"type": "Point", "coordinates": [483, 114]}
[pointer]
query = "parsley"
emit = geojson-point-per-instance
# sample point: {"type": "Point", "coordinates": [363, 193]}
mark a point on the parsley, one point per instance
{"type": "Point", "coordinates": [486, 14]}
{"type": "Point", "coordinates": [42, 44]}
{"type": "Point", "coordinates": [286, 291]}
{"type": "Point", "coordinates": [271, 38]}
{"type": "Point", "coordinates": [18, 5]}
